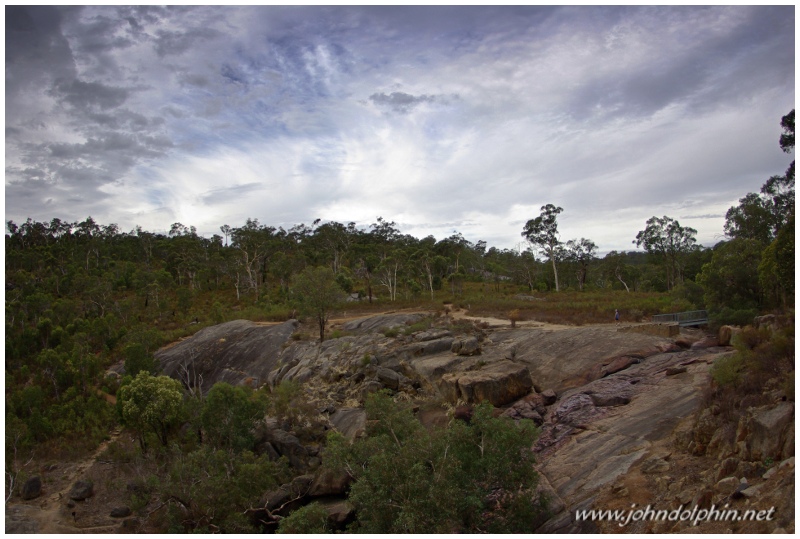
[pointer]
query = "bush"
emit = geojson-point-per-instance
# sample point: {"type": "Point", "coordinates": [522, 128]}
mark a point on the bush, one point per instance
{"type": "Point", "coordinates": [476, 477]}
{"type": "Point", "coordinates": [732, 317]}
{"type": "Point", "coordinates": [727, 370]}
{"type": "Point", "coordinates": [312, 518]}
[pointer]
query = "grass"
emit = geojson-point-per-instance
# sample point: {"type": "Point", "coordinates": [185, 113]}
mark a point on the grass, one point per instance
{"type": "Point", "coordinates": [565, 307]}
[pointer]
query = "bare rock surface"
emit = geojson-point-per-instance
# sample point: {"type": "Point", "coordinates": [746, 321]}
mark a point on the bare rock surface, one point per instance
{"type": "Point", "coordinates": [374, 324]}
{"type": "Point", "coordinates": [231, 352]}
{"type": "Point", "coordinates": [567, 358]}
{"type": "Point", "coordinates": [595, 434]}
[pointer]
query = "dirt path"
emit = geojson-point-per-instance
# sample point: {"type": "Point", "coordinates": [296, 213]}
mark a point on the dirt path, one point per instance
{"type": "Point", "coordinates": [49, 513]}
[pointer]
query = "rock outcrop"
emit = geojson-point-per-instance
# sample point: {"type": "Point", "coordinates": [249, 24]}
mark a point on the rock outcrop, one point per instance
{"type": "Point", "coordinates": [234, 352]}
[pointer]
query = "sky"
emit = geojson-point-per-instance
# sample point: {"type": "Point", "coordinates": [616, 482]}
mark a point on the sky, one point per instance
{"type": "Point", "coordinates": [441, 119]}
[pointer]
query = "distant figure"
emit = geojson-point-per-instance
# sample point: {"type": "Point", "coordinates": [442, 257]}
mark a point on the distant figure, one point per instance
{"type": "Point", "coordinates": [616, 315]}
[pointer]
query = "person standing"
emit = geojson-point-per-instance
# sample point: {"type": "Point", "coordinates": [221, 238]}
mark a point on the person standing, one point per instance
{"type": "Point", "coordinates": [616, 315]}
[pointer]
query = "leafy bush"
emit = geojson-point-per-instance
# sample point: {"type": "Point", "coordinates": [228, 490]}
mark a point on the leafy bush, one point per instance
{"type": "Point", "coordinates": [476, 477]}
{"type": "Point", "coordinates": [727, 370]}
{"type": "Point", "coordinates": [312, 518]}
{"type": "Point", "coordinates": [210, 491]}
{"type": "Point", "coordinates": [390, 332]}
{"type": "Point", "coordinates": [732, 317]}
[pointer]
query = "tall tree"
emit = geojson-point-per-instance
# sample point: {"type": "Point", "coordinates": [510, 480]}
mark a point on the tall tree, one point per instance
{"type": "Point", "coordinates": [581, 252]}
{"type": "Point", "coordinates": [543, 233]}
{"type": "Point", "coordinates": [665, 238]}
{"type": "Point", "coordinates": [317, 293]}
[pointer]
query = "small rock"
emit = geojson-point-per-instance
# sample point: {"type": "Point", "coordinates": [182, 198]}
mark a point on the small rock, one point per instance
{"type": "Point", "coordinates": [727, 485]}
{"type": "Point", "coordinates": [741, 487]}
{"type": "Point", "coordinates": [550, 397]}
{"type": "Point", "coordinates": [656, 465]}
{"type": "Point", "coordinates": [466, 347]}
{"type": "Point", "coordinates": [32, 488]}
{"type": "Point", "coordinates": [672, 371]}
{"type": "Point", "coordinates": [602, 400]}
{"type": "Point", "coordinates": [703, 499]}
{"type": "Point", "coordinates": [81, 490]}
{"type": "Point", "coordinates": [752, 492]}
{"type": "Point", "coordinates": [685, 496]}
{"type": "Point", "coordinates": [769, 473]}
{"type": "Point", "coordinates": [120, 512]}
{"type": "Point", "coordinates": [727, 467]}
{"type": "Point", "coordinates": [787, 463]}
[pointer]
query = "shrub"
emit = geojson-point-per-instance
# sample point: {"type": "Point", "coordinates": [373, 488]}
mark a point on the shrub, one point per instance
{"type": "Point", "coordinates": [390, 332]}
{"type": "Point", "coordinates": [732, 317]}
{"type": "Point", "coordinates": [727, 370]}
{"type": "Point", "coordinates": [312, 518]}
{"type": "Point", "coordinates": [475, 477]}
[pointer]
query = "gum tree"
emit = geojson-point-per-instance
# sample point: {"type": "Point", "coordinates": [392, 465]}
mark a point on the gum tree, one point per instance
{"type": "Point", "coordinates": [317, 293]}
{"type": "Point", "coordinates": [665, 238]}
{"type": "Point", "coordinates": [542, 232]}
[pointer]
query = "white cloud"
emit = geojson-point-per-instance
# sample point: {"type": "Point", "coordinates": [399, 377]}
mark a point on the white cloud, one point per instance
{"type": "Point", "coordinates": [430, 118]}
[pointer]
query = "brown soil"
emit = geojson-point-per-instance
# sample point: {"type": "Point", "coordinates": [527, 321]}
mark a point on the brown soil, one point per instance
{"type": "Point", "coordinates": [51, 512]}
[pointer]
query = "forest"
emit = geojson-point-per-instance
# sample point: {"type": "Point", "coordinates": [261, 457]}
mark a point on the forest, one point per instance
{"type": "Point", "coordinates": [82, 297]}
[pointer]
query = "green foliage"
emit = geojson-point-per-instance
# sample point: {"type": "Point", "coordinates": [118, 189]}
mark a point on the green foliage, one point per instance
{"type": "Point", "coordinates": [727, 370]}
{"type": "Point", "coordinates": [732, 317]}
{"type": "Point", "coordinates": [312, 518]}
{"type": "Point", "coordinates": [731, 278]}
{"type": "Point", "coordinates": [390, 332]}
{"type": "Point", "coordinates": [666, 239]}
{"type": "Point", "coordinates": [137, 360]}
{"type": "Point", "coordinates": [230, 415]}
{"type": "Point", "coordinates": [210, 490]}
{"type": "Point", "coordinates": [151, 403]}
{"type": "Point", "coordinates": [455, 479]}
{"type": "Point", "coordinates": [317, 293]}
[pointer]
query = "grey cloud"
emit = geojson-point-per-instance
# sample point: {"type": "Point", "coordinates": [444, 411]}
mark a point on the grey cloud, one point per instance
{"type": "Point", "coordinates": [230, 193]}
{"type": "Point", "coordinates": [402, 102]}
{"type": "Point", "coordinates": [175, 43]}
{"type": "Point", "coordinates": [90, 95]}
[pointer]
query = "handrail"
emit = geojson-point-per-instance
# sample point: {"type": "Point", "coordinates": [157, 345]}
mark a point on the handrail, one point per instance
{"type": "Point", "coordinates": [687, 318]}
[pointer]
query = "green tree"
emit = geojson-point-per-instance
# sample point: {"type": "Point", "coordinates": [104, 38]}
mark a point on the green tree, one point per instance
{"type": "Point", "coordinates": [317, 293]}
{"type": "Point", "coordinates": [665, 238]}
{"type": "Point", "coordinates": [581, 252]}
{"type": "Point", "coordinates": [542, 232]}
{"type": "Point", "coordinates": [312, 518]}
{"type": "Point", "coordinates": [230, 415]}
{"type": "Point", "coordinates": [730, 280]}
{"type": "Point", "coordinates": [211, 490]}
{"type": "Point", "coordinates": [751, 219]}
{"type": "Point", "coordinates": [151, 403]}
{"type": "Point", "coordinates": [138, 359]}
{"type": "Point", "coordinates": [447, 474]}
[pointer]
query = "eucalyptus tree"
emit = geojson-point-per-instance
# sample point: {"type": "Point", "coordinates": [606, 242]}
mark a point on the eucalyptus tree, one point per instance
{"type": "Point", "coordinates": [582, 252]}
{"type": "Point", "coordinates": [252, 242]}
{"type": "Point", "coordinates": [542, 232]}
{"type": "Point", "coordinates": [317, 293]}
{"type": "Point", "coordinates": [666, 239]}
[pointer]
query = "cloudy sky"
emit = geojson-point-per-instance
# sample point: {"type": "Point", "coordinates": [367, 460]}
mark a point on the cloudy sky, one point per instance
{"type": "Point", "coordinates": [440, 119]}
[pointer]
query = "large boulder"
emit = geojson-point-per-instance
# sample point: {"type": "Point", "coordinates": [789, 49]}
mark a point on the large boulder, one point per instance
{"type": "Point", "coordinates": [289, 446]}
{"type": "Point", "coordinates": [498, 383]}
{"type": "Point", "coordinates": [351, 422]}
{"type": "Point", "coordinates": [81, 490]}
{"type": "Point", "coordinates": [237, 352]}
{"type": "Point", "coordinates": [466, 346]}
{"type": "Point", "coordinates": [32, 488]}
{"type": "Point", "coordinates": [763, 432]}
